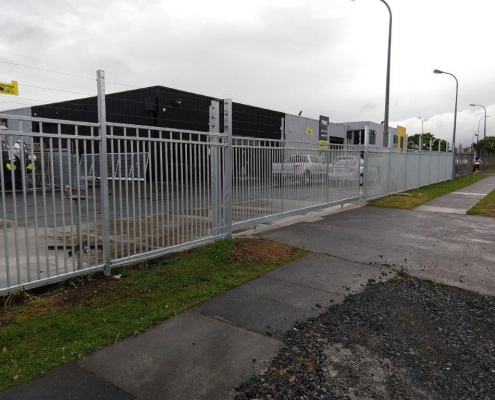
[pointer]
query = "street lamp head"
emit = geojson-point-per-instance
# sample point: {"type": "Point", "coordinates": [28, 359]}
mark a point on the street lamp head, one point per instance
{"type": "Point", "coordinates": [437, 71]}
{"type": "Point", "coordinates": [473, 105]}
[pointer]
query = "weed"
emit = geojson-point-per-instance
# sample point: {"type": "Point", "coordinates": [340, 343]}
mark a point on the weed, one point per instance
{"type": "Point", "coordinates": [484, 207]}
{"type": "Point", "coordinates": [16, 298]}
{"type": "Point", "coordinates": [45, 335]}
{"type": "Point", "coordinates": [425, 194]}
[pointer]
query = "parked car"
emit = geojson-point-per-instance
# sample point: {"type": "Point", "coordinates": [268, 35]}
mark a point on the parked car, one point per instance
{"type": "Point", "coordinates": [344, 168]}
{"type": "Point", "coordinates": [300, 168]}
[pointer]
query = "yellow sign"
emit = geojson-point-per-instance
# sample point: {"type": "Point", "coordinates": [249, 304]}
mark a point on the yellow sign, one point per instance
{"type": "Point", "coordinates": [322, 144]}
{"type": "Point", "coordinates": [9, 88]}
{"type": "Point", "coordinates": [309, 131]}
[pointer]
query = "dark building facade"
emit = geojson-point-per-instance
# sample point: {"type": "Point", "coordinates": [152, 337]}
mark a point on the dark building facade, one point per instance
{"type": "Point", "coordinates": [164, 107]}
{"type": "Point", "coordinates": [159, 107]}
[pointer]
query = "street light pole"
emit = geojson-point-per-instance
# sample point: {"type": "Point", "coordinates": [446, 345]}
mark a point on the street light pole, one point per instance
{"type": "Point", "coordinates": [387, 88]}
{"type": "Point", "coordinates": [437, 71]}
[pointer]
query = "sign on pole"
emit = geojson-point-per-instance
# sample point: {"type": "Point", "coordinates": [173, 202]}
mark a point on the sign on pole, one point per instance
{"type": "Point", "coordinates": [9, 88]}
{"type": "Point", "coordinates": [323, 132]}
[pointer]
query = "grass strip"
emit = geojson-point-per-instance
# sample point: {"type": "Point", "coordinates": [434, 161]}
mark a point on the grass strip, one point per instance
{"type": "Point", "coordinates": [86, 314]}
{"type": "Point", "coordinates": [414, 198]}
{"type": "Point", "coordinates": [485, 207]}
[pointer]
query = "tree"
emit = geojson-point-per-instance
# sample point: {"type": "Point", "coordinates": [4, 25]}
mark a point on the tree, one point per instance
{"type": "Point", "coordinates": [490, 146]}
{"type": "Point", "coordinates": [413, 142]}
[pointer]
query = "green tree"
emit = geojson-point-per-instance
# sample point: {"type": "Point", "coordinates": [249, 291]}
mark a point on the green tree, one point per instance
{"type": "Point", "coordinates": [490, 146]}
{"type": "Point", "coordinates": [413, 142]}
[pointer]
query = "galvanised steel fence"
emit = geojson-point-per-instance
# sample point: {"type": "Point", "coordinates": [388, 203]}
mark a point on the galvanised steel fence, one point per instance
{"type": "Point", "coordinates": [82, 197]}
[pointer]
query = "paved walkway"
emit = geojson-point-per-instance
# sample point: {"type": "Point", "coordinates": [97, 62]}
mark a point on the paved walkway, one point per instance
{"type": "Point", "coordinates": [205, 352]}
{"type": "Point", "coordinates": [460, 201]}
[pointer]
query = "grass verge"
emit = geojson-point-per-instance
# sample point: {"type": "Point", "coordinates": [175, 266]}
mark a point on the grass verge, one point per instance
{"type": "Point", "coordinates": [85, 314]}
{"type": "Point", "coordinates": [414, 198]}
{"type": "Point", "coordinates": [485, 207]}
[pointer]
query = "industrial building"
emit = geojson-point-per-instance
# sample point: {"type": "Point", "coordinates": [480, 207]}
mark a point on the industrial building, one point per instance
{"type": "Point", "coordinates": [159, 106]}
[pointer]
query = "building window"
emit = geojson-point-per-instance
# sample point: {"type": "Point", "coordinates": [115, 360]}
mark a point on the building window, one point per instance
{"type": "Point", "coordinates": [3, 124]}
{"type": "Point", "coordinates": [356, 137]}
{"type": "Point", "coordinates": [401, 142]}
{"type": "Point", "coordinates": [372, 137]}
{"type": "Point", "coordinates": [395, 139]}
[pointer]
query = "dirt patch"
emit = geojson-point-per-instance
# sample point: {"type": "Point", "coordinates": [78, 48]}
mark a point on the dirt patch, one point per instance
{"type": "Point", "coordinates": [256, 251]}
{"type": "Point", "coordinates": [489, 210]}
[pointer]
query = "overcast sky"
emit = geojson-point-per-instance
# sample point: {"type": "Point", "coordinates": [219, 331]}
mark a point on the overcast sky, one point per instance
{"type": "Point", "coordinates": [322, 57]}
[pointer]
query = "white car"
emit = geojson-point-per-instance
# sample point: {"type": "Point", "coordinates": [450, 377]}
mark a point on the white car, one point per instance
{"type": "Point", "coordinates": [344, 168]}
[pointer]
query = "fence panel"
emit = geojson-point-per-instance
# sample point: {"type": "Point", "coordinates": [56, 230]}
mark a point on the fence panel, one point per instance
{"type": "Point", "coordinates": [378, 167]}
{"type": "Point", "coordinates": [397, 172]}
{"type": "Point", "coordinates": [412, 179]}
{"type": "Point", "coordinates": [49, 222]}
{"type": "Point", "coordinates": [273, 178]}
{"type": "Point", "coordinates": [167, 190]}
{"type": "Point", "coordinates": [165, 201]}
{"type": "Point", "coordinates": [424, 169]}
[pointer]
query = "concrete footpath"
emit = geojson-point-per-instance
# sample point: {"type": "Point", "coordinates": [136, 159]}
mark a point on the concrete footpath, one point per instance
{"type": "Point", "coordinates": [205, 352]}
{"type": "Point", "coordinates": [460, 201]}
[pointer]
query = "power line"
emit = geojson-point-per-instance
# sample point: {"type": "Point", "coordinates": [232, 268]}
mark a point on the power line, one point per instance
{"type": "Point", "coordinates": [47, 70]}
{"type": "Point", "coordinates": [57, 90]}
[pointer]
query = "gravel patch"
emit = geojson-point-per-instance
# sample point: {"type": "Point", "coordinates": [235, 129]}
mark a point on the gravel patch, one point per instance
{"type": "Point", "coordinates": [400, 339]}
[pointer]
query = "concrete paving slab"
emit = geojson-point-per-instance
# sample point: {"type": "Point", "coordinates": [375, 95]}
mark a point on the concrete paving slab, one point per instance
{"type": "Point", "coordinates": [460, 201]}
{"type": "Point", "coordinates": [189, 356]}
{"type": "Point", "coordinates": [272, 304]}
{"type": "Point", "coordinates": [455, 249]}
{"type": "Point", "coordinates": [268, 306]}
{"type": "Point", "coordinates": [331, 274]}
{"type": "Point", "coordinates": [67, 381]}
{"type": "Point", "coordinates": [444, 210]}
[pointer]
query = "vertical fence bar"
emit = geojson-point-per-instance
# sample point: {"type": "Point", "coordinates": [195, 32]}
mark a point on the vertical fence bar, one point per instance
{"type": "Point", "coordinates": [215, 167]}
{"type": "Point", "coordinates": [227, 177]}
{"type": "Point", "coordinates": [102, 119]}
{"type": "Point", "coordinates": [282, 179]}
{"type": "Point", "coordinates": [405, 168]}
{"type": "Point", "coordinates": [5, 221]}
{"type": "Point", "coordinates": [366, 161]}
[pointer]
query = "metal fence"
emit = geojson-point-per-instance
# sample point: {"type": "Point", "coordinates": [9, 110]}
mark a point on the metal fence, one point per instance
{"type": "Point", "coordinates": [93, 196]}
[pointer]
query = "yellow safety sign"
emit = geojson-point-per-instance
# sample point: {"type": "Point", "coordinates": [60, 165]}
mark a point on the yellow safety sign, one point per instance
{"type": "Point", "coordinates": [322, 144]}
{"type": "Point", "coordinates": [9, 88]}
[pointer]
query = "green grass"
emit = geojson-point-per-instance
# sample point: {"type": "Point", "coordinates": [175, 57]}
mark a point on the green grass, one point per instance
{"type": "Point", "coordinates": [485, 207]}
{"type": "Point", "coordinates": [45, 333]}
{"type": "Point", "coordinates": [415, 198]}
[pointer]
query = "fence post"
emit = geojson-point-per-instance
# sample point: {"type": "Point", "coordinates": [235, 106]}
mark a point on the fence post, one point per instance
{"type": "Point", "coordinates": [405, 175]}
{"type": "Point", "coordinates": [447, 162]}
{"type": "Point", "coordinates": [419, 168]}
{"type": "Point", "coordinates": [389, 169]}
{"type": "Point", "coordinates": [366, 160]}
{"type": "Point", "coordinates": [281, 181]}
{"type": "Point", "coordinates": [227, 174]}
{"type": "Point", "coordinates": [430, 180]}
{"type": "Point", "coordinates": [105, 212]}
{"type": "Point", "coordinates": [215, 167]}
